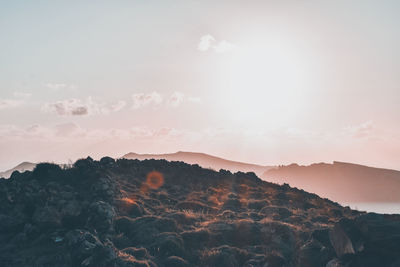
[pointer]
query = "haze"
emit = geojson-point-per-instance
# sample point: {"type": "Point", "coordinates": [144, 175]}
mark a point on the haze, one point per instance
{"type": "Point", "coordinates": [260, 82]}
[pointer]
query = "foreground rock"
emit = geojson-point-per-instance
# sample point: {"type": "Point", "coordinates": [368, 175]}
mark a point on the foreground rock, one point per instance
{"type": "Point", "coordinates": [157, 213]}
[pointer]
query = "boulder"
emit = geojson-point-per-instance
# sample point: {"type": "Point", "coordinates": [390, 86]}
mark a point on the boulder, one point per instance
{"type": "Point", "coordinates": [168, 244]}
{"type": "Point", "coordinates": [314, 254]}
{"type": "Point", "coordinates": [346, 238]}
{"type": "Point", "coordinates": [232, 204]}
{"type": "Point", "coordinates": [101, 216]}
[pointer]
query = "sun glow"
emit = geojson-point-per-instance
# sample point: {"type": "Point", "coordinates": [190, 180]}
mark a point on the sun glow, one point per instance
{"type": "Point", "coordinates": [265, 80]}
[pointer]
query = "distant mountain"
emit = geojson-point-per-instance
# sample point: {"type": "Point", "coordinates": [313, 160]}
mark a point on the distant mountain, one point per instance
{"type": "Point", "coordinates": [342, 182]}
{"type": "Point", "coordinates": [24, 166]}
{"type": "Point", "coordinates": [203, 160]}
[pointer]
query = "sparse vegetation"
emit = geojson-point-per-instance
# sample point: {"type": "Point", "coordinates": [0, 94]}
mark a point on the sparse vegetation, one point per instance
{"type": "Point", "coordinates": [104, 213]}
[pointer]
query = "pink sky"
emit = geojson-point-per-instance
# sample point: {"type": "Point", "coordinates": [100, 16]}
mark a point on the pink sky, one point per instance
{"type": "Point", "coordinates": [257, 82]}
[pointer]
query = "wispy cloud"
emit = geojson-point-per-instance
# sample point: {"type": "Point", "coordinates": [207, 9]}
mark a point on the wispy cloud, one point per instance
{"type": "Point", "coordinates": [10, 103]}
{"type": "Point", "coordinates": [142, 99]}
{"type": "Point", "coordinates": [208, 42]}
{"type": "Point", "coordinates": [19, 99]}
{"type": "Point", "coordinates": [113, 107]}
{"type": "Point", "coordinates": [176, 99]}
{"type": "Point", "coordinates": [155, 99]}
{"type": "Point", "coordinates": [359, 131]}
{"type": "Point", "coordinates": [73, 107]}
{"type": "Point", "coordinates": [59, 86]}
{"type": "Point", "coordinates": [78, 107]}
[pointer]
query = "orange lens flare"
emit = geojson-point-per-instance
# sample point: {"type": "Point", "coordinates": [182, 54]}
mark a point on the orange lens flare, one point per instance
{"type": "Point", "coordinates": [154, 179]}
{"type": "Point", "coordinates": [128, 200]}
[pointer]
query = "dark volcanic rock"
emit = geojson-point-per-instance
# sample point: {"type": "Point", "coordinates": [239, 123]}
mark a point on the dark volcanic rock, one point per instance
{"type": "Point", "coordinates": [101, 216]}
{"type": "Point", "coordinates": [368, 240]}
{"type": "Point", "coordinates": [105, 213]}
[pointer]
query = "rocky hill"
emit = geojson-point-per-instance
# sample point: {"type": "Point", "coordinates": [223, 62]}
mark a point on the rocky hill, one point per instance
{"type": "Point", "coordinates": [341, 181]}
{"type": "Point", "coordinates": [159, 213]}
{"type": "Point", "coordinates": [204, 160]}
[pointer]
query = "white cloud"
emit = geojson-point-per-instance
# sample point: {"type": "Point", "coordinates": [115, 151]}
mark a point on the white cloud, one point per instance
{"type": "Point", "coordinates": [205, 42]}
{"type": "Point", "coordinates": [78, 107]}
{"type": "Point", "coordinates": [176, 99]}
{"type": "Point", "coordinates": [208, 42]}
{"type": "Point", "coordinates": [142, 99]}
{"type": "Point", "coordinates": [74, 107]}
{"type": "Point", "coordinates": [10, 103]}
{"type": "Point", "coordinates": [223, 46]}
{"type": "Point", "coordinates": [155, 99]}
{"type": "Point", "coordinates": [19, 99]}
{"type": "Point", "coordinates": [114, 107]}
{"type": "Point", "coordinates": [363, 130]}
{"type": "Point", "coordinates": [58, 86]}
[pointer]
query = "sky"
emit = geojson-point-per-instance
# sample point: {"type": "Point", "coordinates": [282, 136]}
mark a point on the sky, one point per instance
{"type": "Point", "coordinates": [267, 82]}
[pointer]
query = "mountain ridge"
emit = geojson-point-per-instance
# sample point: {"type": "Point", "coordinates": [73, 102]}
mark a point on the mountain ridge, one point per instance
{"type": "Point", "coordinates": [340, 181]}
{"type": "Point", "coordinates": [23, 166]}
{"type": "Point", "coordinates": [204, 160]}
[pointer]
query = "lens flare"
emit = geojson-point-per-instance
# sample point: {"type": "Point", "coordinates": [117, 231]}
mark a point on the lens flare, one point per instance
{"type": "Point", "coordinates": [154, 179]}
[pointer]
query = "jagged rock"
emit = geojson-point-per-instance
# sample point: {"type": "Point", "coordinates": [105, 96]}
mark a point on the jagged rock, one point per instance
{"type": "Point", "coordinates": [105, 189]}
{"type": "Point", "coordinates": [101, 216]}
{"type": "Point", "coordinates": [314, 254]}
{"type": "Point", "coordinates": [346, 238]}
{"type": "Point", "coordinates": [82, 244]}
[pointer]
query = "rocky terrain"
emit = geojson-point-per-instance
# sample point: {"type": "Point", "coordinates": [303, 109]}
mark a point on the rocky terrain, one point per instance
{"type": "Point", "coordinates": [204, 160]}
{"type": "Point", "coordinates": [159, 213]}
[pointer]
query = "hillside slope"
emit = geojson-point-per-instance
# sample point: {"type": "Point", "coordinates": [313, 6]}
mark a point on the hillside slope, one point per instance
{"type": "Point", "coordinates": [342, 182]}
{"type": "Point", "coordinates": [203, 160]}
{"type": "Point", "coordinates": [157, 213]}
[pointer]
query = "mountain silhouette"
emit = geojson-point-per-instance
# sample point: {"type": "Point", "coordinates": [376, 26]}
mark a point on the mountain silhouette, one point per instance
{"type": "Point", "coordinates": [340, 181]}
{"type": "Point", "coordinates": [203, 160]}
{"type": "Point", "coordinates": [24, 166]}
